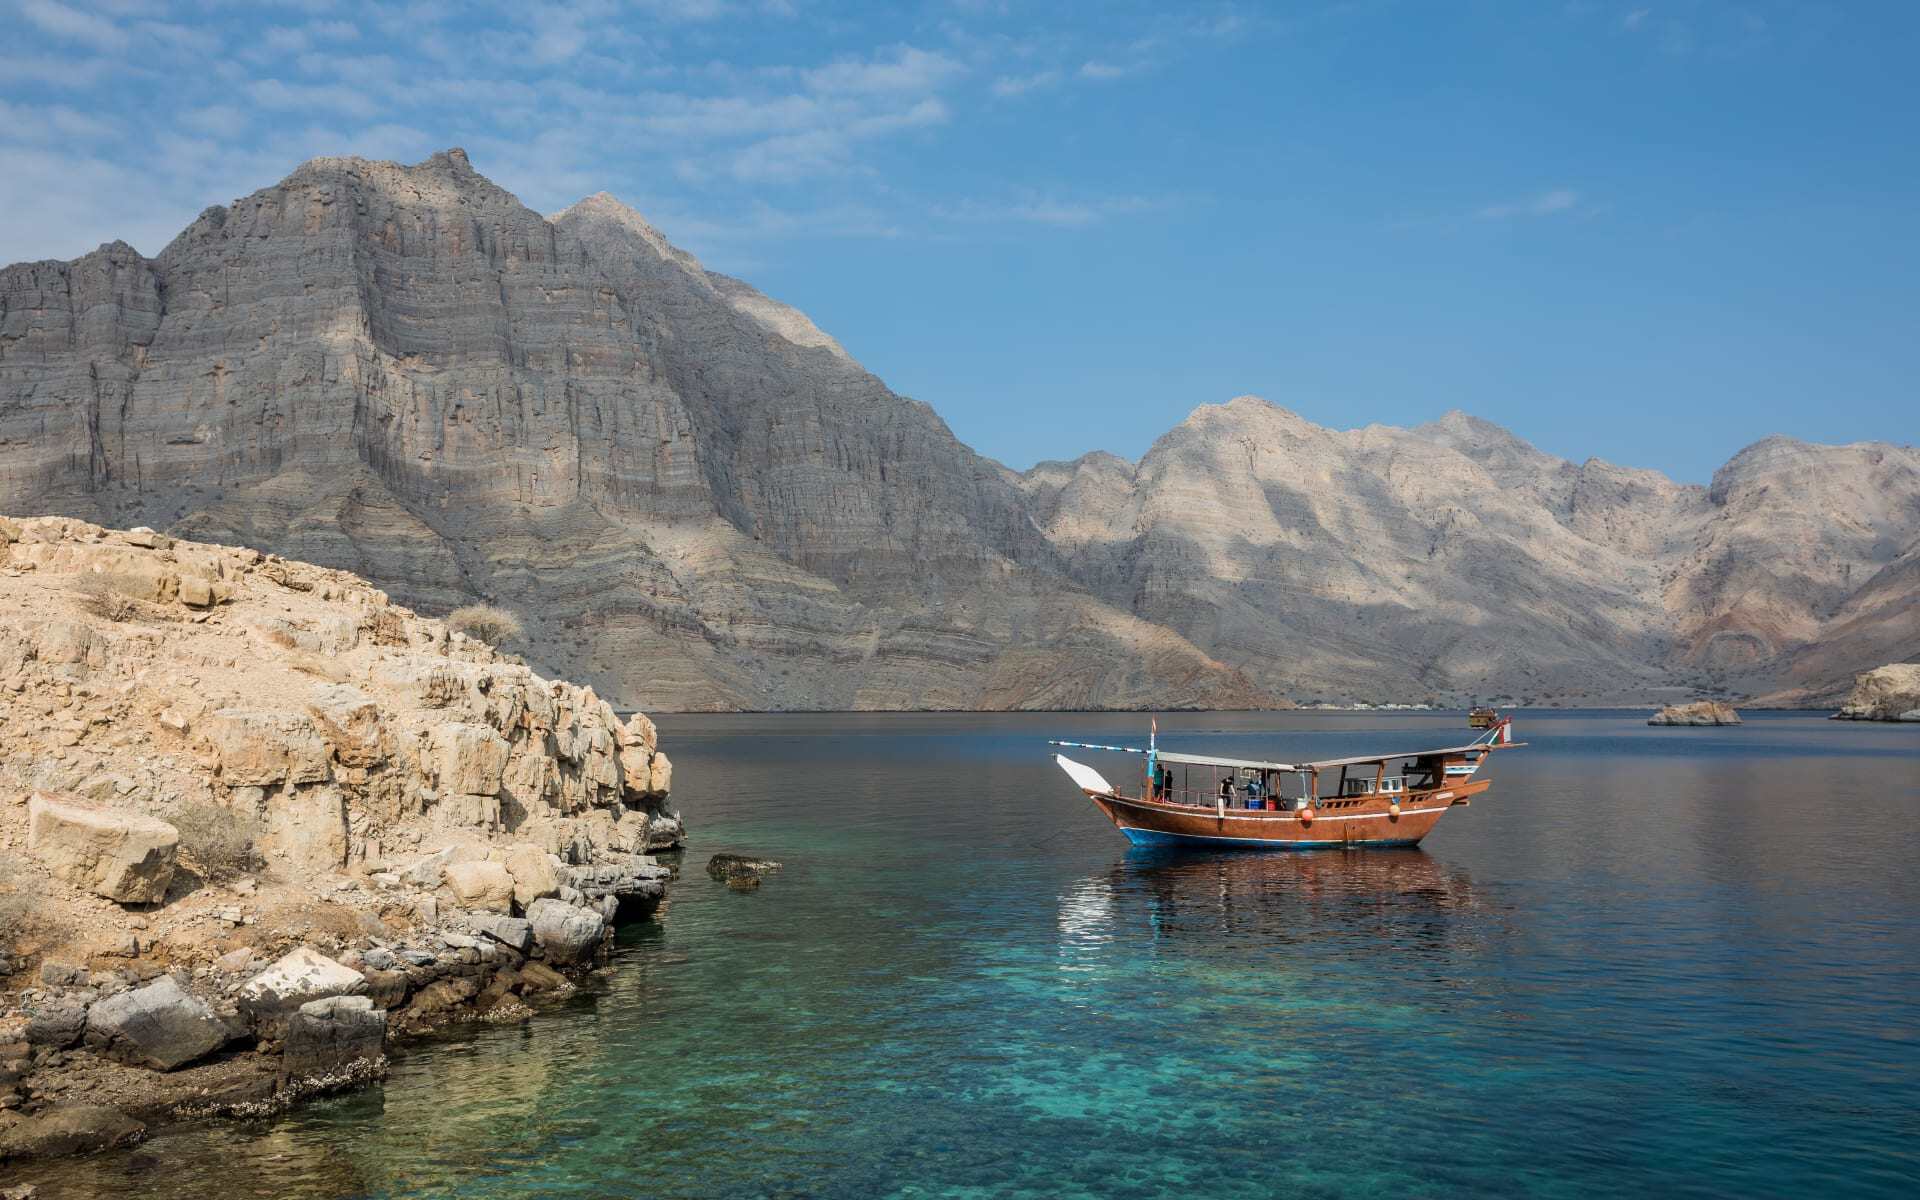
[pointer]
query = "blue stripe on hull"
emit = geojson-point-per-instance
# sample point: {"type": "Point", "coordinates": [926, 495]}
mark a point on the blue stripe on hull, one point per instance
{"type": "Point", "coordinates": [1153, 837]}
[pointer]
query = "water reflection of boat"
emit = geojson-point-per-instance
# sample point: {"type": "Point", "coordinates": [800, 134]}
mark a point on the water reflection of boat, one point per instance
{"type": "Point", "coordinates": [1375, 799]}
{"type": "Point", "coordinates": [1406, 895]}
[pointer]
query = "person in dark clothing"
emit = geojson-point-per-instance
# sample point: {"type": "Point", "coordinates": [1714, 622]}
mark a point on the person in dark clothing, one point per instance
{"type": "Point", "coordinates": [1162, 783]}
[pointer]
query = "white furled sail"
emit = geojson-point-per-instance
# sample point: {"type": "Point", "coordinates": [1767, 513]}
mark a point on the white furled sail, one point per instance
{"type": "Point", "coordinates": [1084, 776]}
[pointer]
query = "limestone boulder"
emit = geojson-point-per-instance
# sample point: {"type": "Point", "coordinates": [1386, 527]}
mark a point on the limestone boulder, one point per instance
{"type": "Point", "coordinates": [265, 747]}
{"type": "Point", "coordinates": [161, 1025]}
{"type": "Point", "coordinates": [486, 886]}
{"type": "Point", "coordinates": [126, 857]}
{"type": "Point", "coordinates": [328, 1036]}
{"type": "Point", "coordinates": [661, 771]}
{"type": "Point", "coordinates": [534, 874]}
{"type": "Point", "coordinates": [301, 975]}
{"type": "Point", "coordinates": [565, 933]}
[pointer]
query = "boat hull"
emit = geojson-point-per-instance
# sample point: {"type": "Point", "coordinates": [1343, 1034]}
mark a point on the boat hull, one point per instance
{"type": "Point", "coordinates": [1336, 825]}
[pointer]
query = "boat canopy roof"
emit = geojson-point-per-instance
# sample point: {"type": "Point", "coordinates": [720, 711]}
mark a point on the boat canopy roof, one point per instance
{"type": "Point", "coordinates": [1250, 764]}
{"type": "Point", "coordinates": [1361, 759]}
{"type": "Point", "coordinates": [1203, 760]}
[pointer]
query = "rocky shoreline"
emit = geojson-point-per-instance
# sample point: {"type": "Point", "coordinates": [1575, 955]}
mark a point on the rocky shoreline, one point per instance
{"type": "Point", "coordinates": [1889, 693]}
{"type": "Point", "coordinates": [257, 822]}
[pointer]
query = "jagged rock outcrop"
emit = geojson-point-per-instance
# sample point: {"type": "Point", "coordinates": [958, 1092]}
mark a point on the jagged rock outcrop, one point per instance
{"type": "Point", "coordinates": [1889, 693]}
{"type": "Point", "coordinates": [290, 776]}
{"type": "Point", "coordinates": [1700, 712]}
{"type": "Point", "coordinates": [695, 498]}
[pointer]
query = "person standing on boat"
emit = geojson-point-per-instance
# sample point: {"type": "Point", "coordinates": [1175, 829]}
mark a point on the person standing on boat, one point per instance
{"type": "Point", "coordinates": [1254, 792]}
{"type": "Point", "coordinates": [1163, 783]}
{"type": "Point", "coordinates": [1226, 790]}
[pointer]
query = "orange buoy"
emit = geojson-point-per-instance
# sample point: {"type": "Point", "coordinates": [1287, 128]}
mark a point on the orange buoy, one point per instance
{"type": "Point", "coordinates": [1393, 810]}
{"type": "Point", "coordinates": [1306, 816]}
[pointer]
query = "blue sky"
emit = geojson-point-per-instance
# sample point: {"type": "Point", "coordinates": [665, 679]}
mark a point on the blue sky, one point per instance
{"type": "Point", "coordinates": [1650, 231]}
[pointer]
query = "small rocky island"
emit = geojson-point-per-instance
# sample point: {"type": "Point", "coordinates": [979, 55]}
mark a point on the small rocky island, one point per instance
{"type": "Point", "coordinates": [1889, 693]}
{"type": "Point", "coordinates": [256, 821]}
{"type": "Point", "coordinates": [1700, 712]}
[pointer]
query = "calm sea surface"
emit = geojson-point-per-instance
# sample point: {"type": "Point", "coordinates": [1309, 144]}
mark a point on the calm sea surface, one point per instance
{"type": "Point", "coordinates": [1666, 962]}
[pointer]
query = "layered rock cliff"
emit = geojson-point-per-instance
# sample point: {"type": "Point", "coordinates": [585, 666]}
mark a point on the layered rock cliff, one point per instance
{"type": "Point", "coordinates": [695, 498]}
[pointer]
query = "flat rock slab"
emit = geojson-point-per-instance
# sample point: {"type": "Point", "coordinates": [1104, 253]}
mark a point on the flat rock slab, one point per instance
{"type": "Point", "coordinates": [161, 1025]}
{"type": "Point", "coordinates": [297, 977]}
{"type": "Point", "coordinates": [126, 857]}
{"type": "Point", "coordinates": [75, 1129]}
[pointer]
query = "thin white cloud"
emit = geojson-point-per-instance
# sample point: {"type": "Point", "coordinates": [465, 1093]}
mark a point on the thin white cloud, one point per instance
{"type": "Point", "coordinates": [220, 120]}
{"type": "Point", "coordinates": [907, 69]}
{"type": "Point", "coordinates": [53, 70]}
{"type": "Point", "coordinates": [1545, 204]}
{"type": "Point", "coordinates": [1020, 85]}
{"type": "Point", "coordinates": [72, 24]}
{"type": "Point", "coordinates": [1038, 209]}
{"type": "Point", "coordinates": [51, 123]}
{"type": "Point", "coordinates": [1095, 68]}
{"type": "Point", "coordinates": [317, 99]}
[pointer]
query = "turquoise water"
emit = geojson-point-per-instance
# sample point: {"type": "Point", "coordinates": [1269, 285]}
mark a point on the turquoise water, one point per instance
{"type": "Point", "coordinates": [1679, 962]}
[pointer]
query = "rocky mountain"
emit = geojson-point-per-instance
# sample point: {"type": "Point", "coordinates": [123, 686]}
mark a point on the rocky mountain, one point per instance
{"type": "Point", "coordinates": [1456, 558]}
{"type": "Point", "coordinates": [697, 499]}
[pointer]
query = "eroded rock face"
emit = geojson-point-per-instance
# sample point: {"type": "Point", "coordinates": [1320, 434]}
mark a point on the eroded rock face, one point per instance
{"type": "Point", "coordinates": [1889, 693]}
{"type": "Point", "coordinates": [123, 856]}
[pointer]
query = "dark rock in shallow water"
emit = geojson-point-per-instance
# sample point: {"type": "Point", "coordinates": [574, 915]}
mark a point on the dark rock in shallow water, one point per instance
{"type": "Point", "coordinates": [566, 934]}
{"type": "Point", "coordinates": [77, 1129]}
{"type": "Point", "coordinates": [739, 872]}
{"type": "Point", "coordinates": [324, 1037]}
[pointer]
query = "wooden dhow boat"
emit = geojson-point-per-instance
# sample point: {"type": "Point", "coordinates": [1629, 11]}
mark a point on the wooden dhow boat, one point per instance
{"type": "Point", "coordinates": [1249, 804]}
